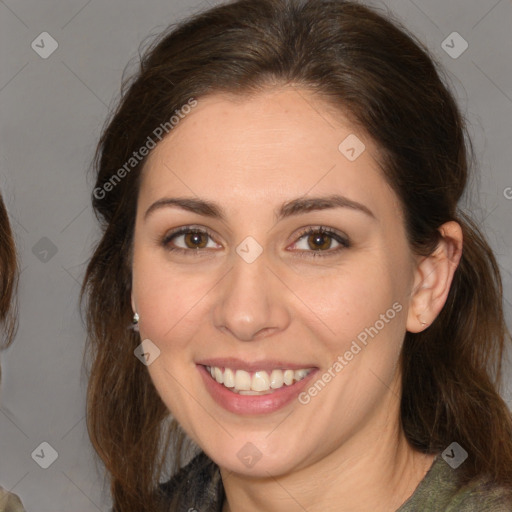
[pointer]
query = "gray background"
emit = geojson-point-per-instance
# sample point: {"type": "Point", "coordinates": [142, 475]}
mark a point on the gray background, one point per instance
{"type": "Point", "coordinates": [52, 111]}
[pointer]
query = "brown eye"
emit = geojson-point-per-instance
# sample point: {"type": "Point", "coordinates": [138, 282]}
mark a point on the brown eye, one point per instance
{"type": "Point", "coordinates": [195, 240]}
{"type": "Point", "coordinates": [315, 241]}
{"type": "Point", "coordinates": [189, 240]}
{"type": "Point", "coordinates": [319, 241]}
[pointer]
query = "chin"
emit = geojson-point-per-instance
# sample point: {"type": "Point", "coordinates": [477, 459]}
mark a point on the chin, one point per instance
{"type": "Point", "coordinates": [257, 454]}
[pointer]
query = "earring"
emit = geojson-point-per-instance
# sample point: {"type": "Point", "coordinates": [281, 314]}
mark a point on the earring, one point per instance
{"type": "Point", "coordinates": [135, 322]}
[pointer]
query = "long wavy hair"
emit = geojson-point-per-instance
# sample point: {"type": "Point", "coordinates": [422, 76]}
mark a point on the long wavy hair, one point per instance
{"type": "Point", "coordinates": [369, 67]}
{"type": "Point", "coordinates": [8, 280]}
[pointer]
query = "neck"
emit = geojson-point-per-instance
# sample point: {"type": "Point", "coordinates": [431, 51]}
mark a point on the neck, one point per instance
{"type": "Point", "coordinates": [376, 469]}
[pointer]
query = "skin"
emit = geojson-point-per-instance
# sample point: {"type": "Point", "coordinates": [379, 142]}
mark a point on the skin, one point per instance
{"type": "Point", "coordinates": [345, 449]}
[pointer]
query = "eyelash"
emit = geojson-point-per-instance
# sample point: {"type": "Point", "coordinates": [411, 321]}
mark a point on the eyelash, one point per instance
{"type": "Point", "coordinates": [343, 241]}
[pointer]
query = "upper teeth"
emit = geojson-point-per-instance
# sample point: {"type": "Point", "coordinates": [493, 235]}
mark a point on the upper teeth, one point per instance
{"type": "Point", "coordinates": [243, 382]}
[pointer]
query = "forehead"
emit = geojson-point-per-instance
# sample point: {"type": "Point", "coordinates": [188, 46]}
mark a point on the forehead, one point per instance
{"type": "Point", "coordinates": [269, 147]}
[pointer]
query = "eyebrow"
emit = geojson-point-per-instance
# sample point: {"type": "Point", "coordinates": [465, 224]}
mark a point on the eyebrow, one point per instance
{"type": "Point", "coordinates": [298, 206]}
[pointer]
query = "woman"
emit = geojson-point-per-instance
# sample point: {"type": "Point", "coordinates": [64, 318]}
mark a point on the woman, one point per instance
{"type": "Point", "coordinates": [313, 313]}
{"type": "Point", "coordinates": [9, 502]}
{"type": "Point", "coordinates": [8, 278]}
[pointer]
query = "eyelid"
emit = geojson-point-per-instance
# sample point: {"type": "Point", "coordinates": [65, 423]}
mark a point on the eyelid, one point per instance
{"type": "Point", "coordinates": [186, 229]}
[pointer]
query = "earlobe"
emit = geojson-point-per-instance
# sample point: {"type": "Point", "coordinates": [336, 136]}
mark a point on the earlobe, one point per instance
{"type": "Point", "coordinates": [433, 278]}
{"type": "Point", "coordinates": [134, 305]}
{"type": "Point", "coordinates": [135, 319]}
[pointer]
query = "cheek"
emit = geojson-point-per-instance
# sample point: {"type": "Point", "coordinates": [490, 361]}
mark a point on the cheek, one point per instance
{"type": "Point", "coordinates": [348, 300]}
{"type": "Point", "coordinates": [170, 300]}
{"type": "Point", "coordinates": [335, 304]}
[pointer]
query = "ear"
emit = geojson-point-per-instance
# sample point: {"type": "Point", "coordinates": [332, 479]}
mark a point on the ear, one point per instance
{"type": "Point", "coordinates": [433, 277]}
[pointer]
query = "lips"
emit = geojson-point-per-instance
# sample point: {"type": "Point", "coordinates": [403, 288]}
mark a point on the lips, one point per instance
{"type": "Point", "coordinates": [254, 388]}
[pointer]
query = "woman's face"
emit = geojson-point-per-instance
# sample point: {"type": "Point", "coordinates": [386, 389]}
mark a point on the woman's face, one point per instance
{"type": "Point", "coordinates": [232, 282]}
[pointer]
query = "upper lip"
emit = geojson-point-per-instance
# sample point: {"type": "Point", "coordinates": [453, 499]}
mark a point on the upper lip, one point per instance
{"type": "Point", "coordinates": [253, 366]}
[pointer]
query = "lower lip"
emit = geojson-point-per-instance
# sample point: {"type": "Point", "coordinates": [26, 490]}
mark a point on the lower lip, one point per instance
{"type": "Point", "coordinates": [252, 404]}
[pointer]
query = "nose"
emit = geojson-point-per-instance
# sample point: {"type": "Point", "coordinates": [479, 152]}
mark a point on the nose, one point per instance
{"type": "Point", "coordinates": [251, 304]}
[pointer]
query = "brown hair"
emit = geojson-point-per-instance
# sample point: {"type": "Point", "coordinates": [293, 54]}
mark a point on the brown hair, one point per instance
{"type": "Point", "coordinates": [374, 71]}
{"type": "Point", "coordinates": [8, 279]}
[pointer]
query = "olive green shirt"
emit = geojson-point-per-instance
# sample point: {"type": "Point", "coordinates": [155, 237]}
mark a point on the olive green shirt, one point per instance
{"type": "Point", "coordinates": [439, 492]}
{"type": "Point", "coordinates": [198, 486]}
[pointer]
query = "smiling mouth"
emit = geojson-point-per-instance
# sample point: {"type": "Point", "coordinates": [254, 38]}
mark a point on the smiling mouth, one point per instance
{"type": "Point", "coordinates": [259, 382]}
